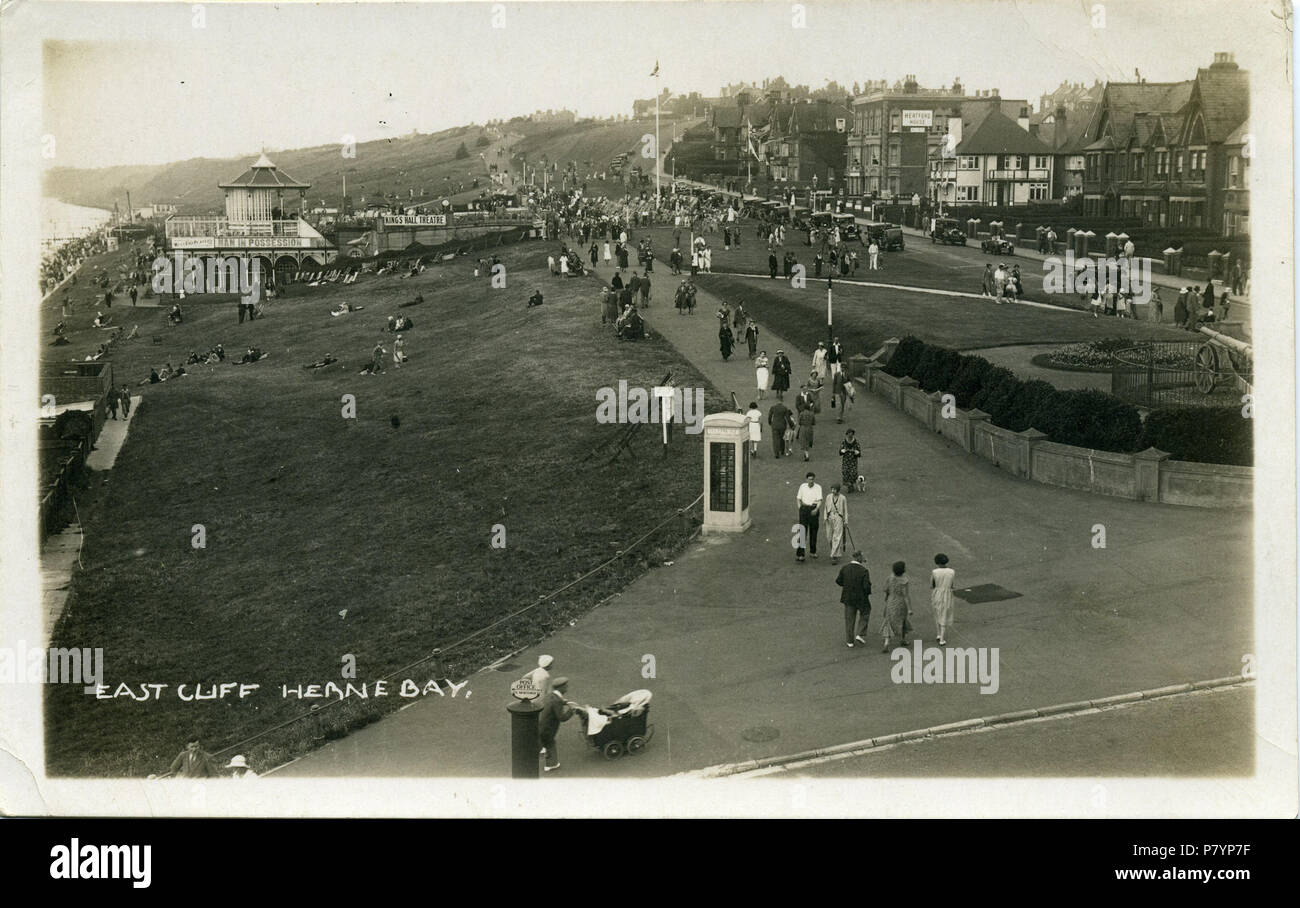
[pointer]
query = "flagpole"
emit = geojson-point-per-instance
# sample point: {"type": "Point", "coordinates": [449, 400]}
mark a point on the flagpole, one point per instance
{"type": "Point", "coordinates": [749, 150]}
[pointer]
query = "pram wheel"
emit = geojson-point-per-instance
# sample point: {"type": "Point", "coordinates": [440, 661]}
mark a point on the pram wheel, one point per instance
{"type": "Point", "coordinates": [613, 750]}
{"type": "Point", "coordinates": [635, 745]}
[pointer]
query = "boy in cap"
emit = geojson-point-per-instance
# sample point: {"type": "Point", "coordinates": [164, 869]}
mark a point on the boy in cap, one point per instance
{"type": "Point", "coordinates": [556, 708]}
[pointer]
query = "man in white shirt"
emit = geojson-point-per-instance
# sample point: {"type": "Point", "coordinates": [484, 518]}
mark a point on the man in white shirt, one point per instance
{"type": "Point", "coordinates": [809, 500]}
{"type": "Point", "coordinates": [873, 253]}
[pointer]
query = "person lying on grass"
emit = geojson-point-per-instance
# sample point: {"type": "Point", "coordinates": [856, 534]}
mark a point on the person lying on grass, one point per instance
{"type": "Point", "coordinates": [322, 363]}
{"type": "Point", "coordinates": [251, 355]}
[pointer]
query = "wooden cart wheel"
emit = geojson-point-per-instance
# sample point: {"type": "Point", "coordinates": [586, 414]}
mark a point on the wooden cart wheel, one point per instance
{"type": "Point", "coordinates": [1207, 368]}
{"type": "Point", "coordinates": [635, 745]}
{"type": "Point", "coordinates": [613, 750]}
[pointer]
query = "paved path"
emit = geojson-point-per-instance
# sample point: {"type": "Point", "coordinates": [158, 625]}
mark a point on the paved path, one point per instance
{"type": "Point", "coordinates": [111, 438]}
{"type": "Point", "coordinates": [59, 558]}
{"type": "Point", "coordinates": [748, 652]}
{"type": "Point", "coordinates": [61, 552]}
{"type": "Point", "coordinates": [1096, 743]}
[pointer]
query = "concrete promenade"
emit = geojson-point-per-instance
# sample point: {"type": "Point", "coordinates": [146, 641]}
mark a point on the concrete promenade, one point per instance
{"type": "Point", "coordinates": [748, 651]}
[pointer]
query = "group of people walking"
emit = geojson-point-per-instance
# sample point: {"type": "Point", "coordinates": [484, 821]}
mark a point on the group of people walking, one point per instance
{"type": "Point", "coordinates": [854, 581]}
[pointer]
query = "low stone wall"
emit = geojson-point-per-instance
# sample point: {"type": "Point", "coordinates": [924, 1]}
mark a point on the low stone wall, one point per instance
{"type": "Point", "coordinates": [1146, 476]}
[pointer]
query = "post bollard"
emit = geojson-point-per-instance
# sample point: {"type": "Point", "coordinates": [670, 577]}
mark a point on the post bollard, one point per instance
{"type": "Point", "coordinates": [525, 741]}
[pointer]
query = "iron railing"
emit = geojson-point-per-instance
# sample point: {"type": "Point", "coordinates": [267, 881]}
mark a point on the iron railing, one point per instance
{"type": "Point", "coordinates": [1180, 374]}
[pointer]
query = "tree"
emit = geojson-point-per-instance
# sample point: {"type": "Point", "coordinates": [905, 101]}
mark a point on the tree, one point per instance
{"type": "Point", "coordinates": [462, 152]}
{"type": "Point", "coordinates": [482, 142]}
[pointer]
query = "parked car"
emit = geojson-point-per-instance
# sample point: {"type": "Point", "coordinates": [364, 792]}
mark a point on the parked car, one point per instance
{"type": "Point", "coordinates": [849, 230]}
{"type": "Point", "coordinates": [997, 245]}
{"type": "Point", "coordinates": [889, 237]}
{"type": "Point", "coordinates": [947, 231]}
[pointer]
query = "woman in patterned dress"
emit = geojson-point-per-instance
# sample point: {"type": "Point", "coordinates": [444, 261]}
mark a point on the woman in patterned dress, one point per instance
{"type": "Point", "coordinates": [898, 605]}
{"type": "Point", "coordinates": [850, 451]}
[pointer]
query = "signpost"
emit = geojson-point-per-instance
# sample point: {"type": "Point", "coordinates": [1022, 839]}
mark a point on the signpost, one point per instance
{"type": "Point", "coordinates": [525, 741]}
{"type": "Point", "coordinates": [665, 395]}
{"type": "Point", "coordinates": [524, 689]}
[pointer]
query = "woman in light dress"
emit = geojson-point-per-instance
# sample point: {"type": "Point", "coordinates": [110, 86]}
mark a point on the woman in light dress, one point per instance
{"type": "Point", "coordinates": [754, 417]}
{"type": "Point", "coordinates": [941, 580]}
{"type": "Point", "coordinates": [760, 370]}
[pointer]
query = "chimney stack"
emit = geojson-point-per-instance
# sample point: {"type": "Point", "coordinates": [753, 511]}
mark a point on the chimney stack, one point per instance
{"type": "Point", "coordinates": [1058, 129]}
{"type": "Point", "coordinates": [1223, 60]}
{"type": "Point", "coordinates": [1023, 120]}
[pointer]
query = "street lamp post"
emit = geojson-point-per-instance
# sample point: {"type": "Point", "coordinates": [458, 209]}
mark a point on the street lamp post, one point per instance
{"type": "Point", "coordinates": [830, 321]}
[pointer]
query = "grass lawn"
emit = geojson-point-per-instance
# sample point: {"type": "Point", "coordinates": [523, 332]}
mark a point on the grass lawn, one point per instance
{"type": "Point", "coordinates": [307, 513]}
{"type": "Point", "coordinates": [866, 316]}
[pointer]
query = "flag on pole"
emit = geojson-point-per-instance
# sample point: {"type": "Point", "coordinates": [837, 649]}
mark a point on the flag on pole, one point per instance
{"type": "Point", "coordinates": [656, 72]}
{"type": "Point", "coordinates": [749, 138]}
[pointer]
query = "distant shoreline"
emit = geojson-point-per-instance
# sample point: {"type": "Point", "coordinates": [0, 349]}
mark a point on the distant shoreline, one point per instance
{"type": "Point", "coordinates": [63, 221]}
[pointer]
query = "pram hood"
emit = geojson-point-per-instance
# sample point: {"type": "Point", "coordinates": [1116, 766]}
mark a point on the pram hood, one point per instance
{"type": "Point", "coordinates": [632, 704]}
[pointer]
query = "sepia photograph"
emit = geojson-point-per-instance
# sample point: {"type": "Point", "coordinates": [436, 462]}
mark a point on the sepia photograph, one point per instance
{"type": "Point", "coordinates": [648, 409]}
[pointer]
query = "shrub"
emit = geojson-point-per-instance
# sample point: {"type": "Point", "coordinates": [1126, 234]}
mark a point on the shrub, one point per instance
{"type": "Point", "coordinates": [1020, 408]}
{"type": "Point", "coordinates": [905, 357]}
{"type": "Point", "coordinates": [1201, 434]}
{"type": "Point", "coordinates": [482, 142]}
{"type": "Point", "coordinates": [999, 384]}
{"type": "Point", "coordinates": [1085, 419]}
{"type": "Point", "coordinates": [1090, 419]}
{"type": "Point", "coordinates": [970, 378]}
{"type": "Point", "coordinates": [941, 371]}
{"type": "Point", "coordinates": [925, 365]}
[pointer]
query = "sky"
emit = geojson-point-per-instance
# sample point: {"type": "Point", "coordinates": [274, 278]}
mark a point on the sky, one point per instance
{"type": "Point", "coordinates": [127, 83]}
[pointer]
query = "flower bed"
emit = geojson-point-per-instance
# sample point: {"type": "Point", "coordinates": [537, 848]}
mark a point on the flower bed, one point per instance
{"type": "Point", "coordinates": [1099, 356]}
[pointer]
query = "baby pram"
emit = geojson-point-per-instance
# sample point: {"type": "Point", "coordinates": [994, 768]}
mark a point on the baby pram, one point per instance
{"type": "Point", "coordinates": [620, 727]}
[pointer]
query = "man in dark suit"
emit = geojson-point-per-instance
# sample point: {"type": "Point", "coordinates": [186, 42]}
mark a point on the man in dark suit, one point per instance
{"type": "Point", "coordinates": [555, 709]}
{"type": "Point", "coordinates": [856, 597]}
{"type": "Point", "coordinates": [778, 420]}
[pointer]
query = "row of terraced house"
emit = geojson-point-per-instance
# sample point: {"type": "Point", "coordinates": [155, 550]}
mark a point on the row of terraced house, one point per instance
{"type": "Point", "coordinates": [1171, 154]}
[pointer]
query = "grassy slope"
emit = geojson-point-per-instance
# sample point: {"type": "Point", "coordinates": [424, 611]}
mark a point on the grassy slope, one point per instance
{"type": "Point", "coordinates": [307, 513]}
{"type": "Point", "coordinates": [419, 162]}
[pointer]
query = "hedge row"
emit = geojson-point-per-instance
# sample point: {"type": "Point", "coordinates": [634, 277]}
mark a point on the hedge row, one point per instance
{"type": "Point", "coordinates": [1086, 419]}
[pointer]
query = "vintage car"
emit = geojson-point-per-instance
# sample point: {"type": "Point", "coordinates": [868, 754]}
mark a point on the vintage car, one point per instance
{"type": "Point", "coordinates": [889, 237]}
{"type": "Point", "coordinates": [998, 245]}
{"type": "Point", "coordinates": [947, 231]}
{"type": "Point", "coordinates": [850, 232]}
